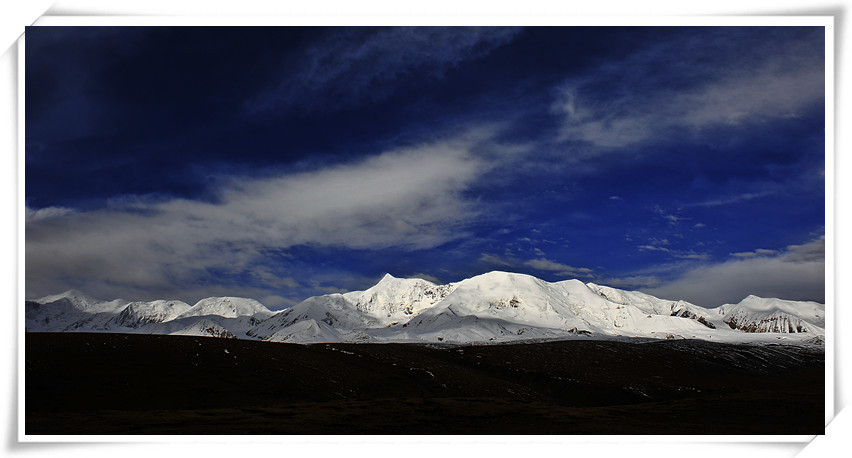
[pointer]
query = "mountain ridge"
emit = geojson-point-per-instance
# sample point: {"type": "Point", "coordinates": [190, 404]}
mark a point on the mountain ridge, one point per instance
{"type": "Point", "coordinates": [495, 306]}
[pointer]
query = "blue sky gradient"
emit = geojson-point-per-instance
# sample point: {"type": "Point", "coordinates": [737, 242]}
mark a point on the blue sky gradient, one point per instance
{"type": "Point", "coordinates": [280, 163]}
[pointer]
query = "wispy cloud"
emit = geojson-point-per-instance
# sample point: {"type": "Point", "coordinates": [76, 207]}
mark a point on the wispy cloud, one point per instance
{"type": "Point", "coordinates": [621, 105]}
{"type": "Point", "coordinates": [268, 277]}
{"type": "Point", "coordinates": [679, 254]}
{"type": "Point", "coordinates": [540, 264]}
{"type": "Point", "coordinates": [33, 215]}
{"type": "Point", "coordinates": [408, 199]}
{"type": "Point", "coordinates": [754, 254]}
{"type": "Point", "coordinates": [653, 248]}
{"type": "Point", "coordinates": [562, 269]}
{"type": "Point", "coordinates": [631, 282]}
{"type": "Point", "coordinates": [670, 217]}
{"type": "Point", "coordinates": [356, 65]}
{"type": "Point", "coordinates": [693, 255]}
{"type": "Point", "coordinates": [795, 273]}
{"type": "Point", "coordinates": [746, 196]}
{"type": "Point", "coordinates": [494, 260]}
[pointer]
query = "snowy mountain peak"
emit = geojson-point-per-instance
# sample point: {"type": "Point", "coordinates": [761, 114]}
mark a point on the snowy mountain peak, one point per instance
{"type": "Point", "coordinates": [230, 307]}
{"type": "Point", "coordinates": [494, 306]}
{"type": "Point", "coordinates": [83, 302]}
{"type": "Point", "coordinates": [74, 296]}
{"type": "Point", "coordinates": [757, 314]}
{"type": "Point", "coordinates": [393, 299]}
{"type": "Point", "coordinates": [138, 314]}
{"type": "Point", "coordinates": [758, 303]}
{"type": "Point", "coordinates": [502, 276]}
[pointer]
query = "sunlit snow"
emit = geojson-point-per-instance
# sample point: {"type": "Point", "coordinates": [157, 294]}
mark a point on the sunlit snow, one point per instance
{"type": "Point", "coordinates": [492, 307]}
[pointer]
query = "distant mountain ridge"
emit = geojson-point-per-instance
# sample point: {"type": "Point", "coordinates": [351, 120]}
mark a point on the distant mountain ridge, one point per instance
{"type": "Point", "coordinates": [756, 314]}
{"type": "Point", "coordinates": [492, 307]}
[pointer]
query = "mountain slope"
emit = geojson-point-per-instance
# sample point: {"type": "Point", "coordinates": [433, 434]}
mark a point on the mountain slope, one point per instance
{"type": "Point", "coordinates": [757, 314]}
{"type": "Point", "coordinates": [138, 314]}
{"type": "Point", "coordinates": [655, 306]}
{"type": "Point", "coordinates": [492, 307]}
{"type": "Point", "coordinates": [70, 311]}
{"type": "Point", "coordinates": [229, 307]}
{"type": "Point", "coordinates": [522, 303]}
{"type": "Point", "coordinates": [397, 299]}
{"type": "Point", "coordinates": [84, 302]}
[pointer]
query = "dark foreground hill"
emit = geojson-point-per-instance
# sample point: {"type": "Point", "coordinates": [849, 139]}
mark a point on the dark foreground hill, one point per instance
{"type": "Point", "coordinates": [138, 384]}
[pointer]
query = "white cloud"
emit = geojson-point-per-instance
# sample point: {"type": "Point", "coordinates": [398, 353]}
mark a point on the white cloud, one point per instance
{"type": "Point", "coordinates": [563, 269]}
{"type": "Point", "coordinates": [771, 84]}
{"type": "Point", "coordinates": [672, 219]}
{"type": "Point", "coordinates": [495, 260]}
{"type": "Point", "coordinates": [653, 248]}
{"type": "Point", "coordinates": [268, 277]}
{"type": "Point", "coordinates": [756, 253]}
{"type": "Point", "coordinates": [807, 252]}
{"type": "Point", "coordinates": [797, 273]}
{"type": "Point", "coordinates": [368, 63]}
{"type": "Point", "coordinates": [680, 254]}
{"type": "Point", "coordinates": [632, 282]}
{"type": "Point", "coordinates": [409, 198]}
{"type": "Point", "coordinates": [542, 264]}
{"type": "Point", "coordinates": [33, 215]}
{"type": "Point", "coordinates": [692, 255]}
{"type": "Point", "coordinates": [732, 199]}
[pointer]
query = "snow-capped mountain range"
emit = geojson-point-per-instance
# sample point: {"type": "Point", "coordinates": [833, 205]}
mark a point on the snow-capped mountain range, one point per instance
{"type": "Point", "coordinates": [492, 307]}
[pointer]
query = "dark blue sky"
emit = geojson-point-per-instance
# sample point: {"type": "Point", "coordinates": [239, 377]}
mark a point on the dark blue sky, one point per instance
{"type": "Point", "coordinates": [280, 163]}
